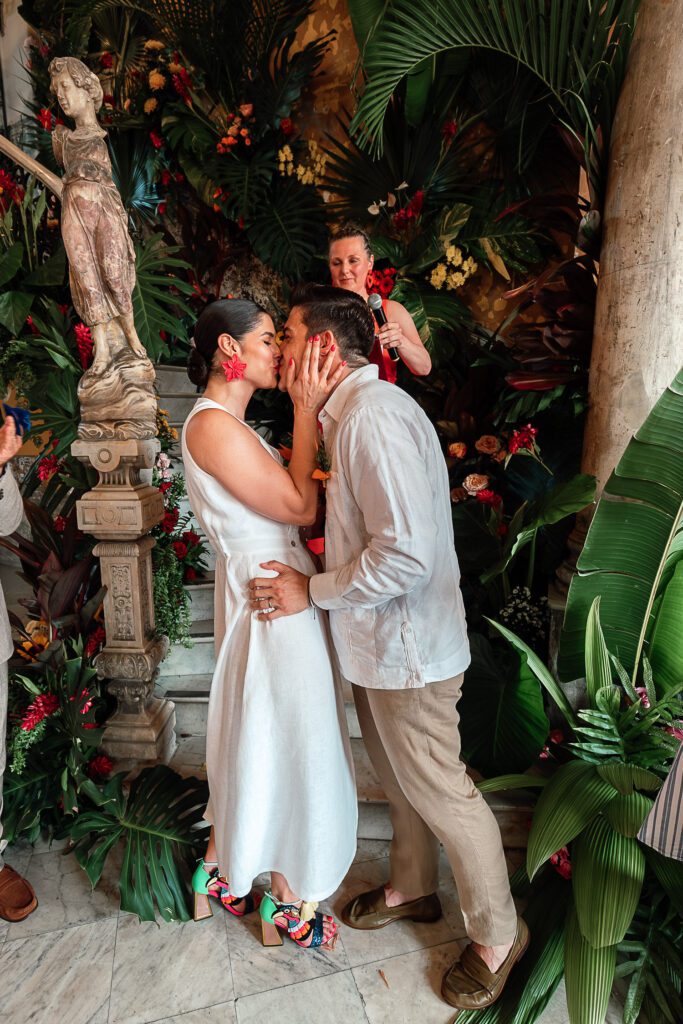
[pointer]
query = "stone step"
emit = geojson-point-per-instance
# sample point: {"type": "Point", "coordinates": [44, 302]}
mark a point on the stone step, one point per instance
{"type": "Point", "coordinates": [201, 597]}
{"type": "Point", "coordinates": [173, 380]}
{"type": "Point", "coordinates": [177, 407]}
{"type": "Point", "coordinates": [195, 660]}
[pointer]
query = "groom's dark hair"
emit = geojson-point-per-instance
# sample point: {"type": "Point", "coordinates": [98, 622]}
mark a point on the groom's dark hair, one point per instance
{"type": "Point", "coordinates": [324, 308]}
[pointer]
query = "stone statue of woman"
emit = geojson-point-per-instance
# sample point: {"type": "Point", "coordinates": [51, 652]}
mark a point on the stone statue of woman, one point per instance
{"type": "Point", "coordinates": [94, 222]}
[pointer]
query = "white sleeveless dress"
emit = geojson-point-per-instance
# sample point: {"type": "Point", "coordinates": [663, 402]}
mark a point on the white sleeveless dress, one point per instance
{"type": "Point", "coordinates": [282, 793]}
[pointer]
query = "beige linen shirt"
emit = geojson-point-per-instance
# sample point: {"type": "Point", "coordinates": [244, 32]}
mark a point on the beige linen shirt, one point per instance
{"type": "Point", "coordinates": [392, 581]}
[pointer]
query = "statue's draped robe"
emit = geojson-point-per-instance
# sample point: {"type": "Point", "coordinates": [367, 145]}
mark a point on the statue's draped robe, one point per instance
{"type": "Point", "coordinates": [94, 227]}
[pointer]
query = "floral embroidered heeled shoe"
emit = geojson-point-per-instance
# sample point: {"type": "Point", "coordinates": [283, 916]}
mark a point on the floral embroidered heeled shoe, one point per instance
{"type": "Point", "coordinates": [206, 883]}
{"type": "Point", "coordinates": [302, 922]}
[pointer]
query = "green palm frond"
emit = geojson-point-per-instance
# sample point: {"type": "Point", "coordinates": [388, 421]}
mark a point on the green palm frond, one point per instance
{"type": "Point", "coordinates": [158, 823]}
{"type": "Point", "coordinates": [576, 49]}
{"type": "Point", "coordinates": [287, 228]}
{"type": "Point", "coordinates": [133, 172]}
{"type": "Point", "coordinates": [155, 307]}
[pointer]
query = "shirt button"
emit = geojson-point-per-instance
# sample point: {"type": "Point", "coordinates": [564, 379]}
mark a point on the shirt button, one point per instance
{"type": "Point", "coordinates": [293, 543]}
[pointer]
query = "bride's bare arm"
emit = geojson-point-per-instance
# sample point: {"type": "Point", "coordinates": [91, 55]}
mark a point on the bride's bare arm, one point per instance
{"type": "Point", "coordinates": [229, 451]}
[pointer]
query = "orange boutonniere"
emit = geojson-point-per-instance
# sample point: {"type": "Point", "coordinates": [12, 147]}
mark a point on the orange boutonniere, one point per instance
{"type": "Point", "coordinates": [322, 470]}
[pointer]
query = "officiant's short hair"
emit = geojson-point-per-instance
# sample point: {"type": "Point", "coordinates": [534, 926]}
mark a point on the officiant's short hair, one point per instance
{"type": "Point", "coordinates": [347, 315]}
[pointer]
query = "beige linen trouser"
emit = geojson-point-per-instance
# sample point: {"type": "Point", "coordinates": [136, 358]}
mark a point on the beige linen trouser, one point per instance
{"type": "Point", "coordinates": [413, 741]}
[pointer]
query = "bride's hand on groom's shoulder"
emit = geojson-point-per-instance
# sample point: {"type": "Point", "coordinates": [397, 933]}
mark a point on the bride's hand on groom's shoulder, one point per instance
{"type": "Point", "coordinates": [310, 384]}
{"type": "Point", "coordinates": [284, 594]}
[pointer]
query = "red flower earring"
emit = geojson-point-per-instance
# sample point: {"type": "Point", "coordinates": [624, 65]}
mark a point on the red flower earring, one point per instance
{"type": "Point", "coordinates": [233, 368]}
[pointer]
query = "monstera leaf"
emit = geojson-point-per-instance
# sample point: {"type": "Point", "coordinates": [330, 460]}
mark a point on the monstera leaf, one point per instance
{"type": "Point", "coordinates": [158, 824]}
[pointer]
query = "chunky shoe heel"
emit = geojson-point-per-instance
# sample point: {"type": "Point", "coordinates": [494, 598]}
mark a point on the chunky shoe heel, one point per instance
{"type": "Point", "coordinates": [208, 884]}
{"type": "Point", "coordinates": [307, 932]}
{"type": "Point", "coordinates": [202, 907]}
{"type": "Point", "coordinates": [270, 936]}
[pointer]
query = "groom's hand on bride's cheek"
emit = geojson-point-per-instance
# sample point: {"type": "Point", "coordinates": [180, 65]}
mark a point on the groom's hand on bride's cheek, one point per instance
{"type": "Point", "coordinates": [284, 594]}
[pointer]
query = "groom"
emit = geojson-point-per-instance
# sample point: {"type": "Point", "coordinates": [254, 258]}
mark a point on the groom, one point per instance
{"type": "Point", "coordinates": [391, 586]}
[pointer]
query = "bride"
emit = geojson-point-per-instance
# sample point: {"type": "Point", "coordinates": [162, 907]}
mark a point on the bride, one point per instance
{"type": "Point", "coordinates": [281, 788]}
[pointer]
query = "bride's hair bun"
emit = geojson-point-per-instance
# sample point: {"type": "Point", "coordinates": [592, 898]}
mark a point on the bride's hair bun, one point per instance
{"type": "Point", "coordinates": [235, 317]}
{"type": "Point", "coordinates": [197, 368]}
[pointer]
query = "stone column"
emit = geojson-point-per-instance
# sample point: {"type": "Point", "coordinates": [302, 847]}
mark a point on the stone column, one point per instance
{"type": "Point", "coordinates": [119, 512]}
{"type": "Point", "coordinates": [638, 334]}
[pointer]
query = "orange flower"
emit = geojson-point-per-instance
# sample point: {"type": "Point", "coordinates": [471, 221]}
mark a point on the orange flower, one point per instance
{"type": "Point", "coordinates": [246, 109]}
{"type": "Point", "coordinates": [457, 450]}
{"type": "Point", "coordinates": [487, 444]}
{"type": "Point", "coordinates": [320, 474]}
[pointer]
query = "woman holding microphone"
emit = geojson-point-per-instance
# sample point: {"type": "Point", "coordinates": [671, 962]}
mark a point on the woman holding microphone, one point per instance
{"type": "Point", "coordinates": [351, 261]}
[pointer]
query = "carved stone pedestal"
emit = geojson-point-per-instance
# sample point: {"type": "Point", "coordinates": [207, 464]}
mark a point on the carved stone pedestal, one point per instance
{"type": "Point", "coordinates": [119, 511]}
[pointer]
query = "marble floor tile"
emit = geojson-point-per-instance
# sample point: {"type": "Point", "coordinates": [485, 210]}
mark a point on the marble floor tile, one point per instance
{"type": "Point", "coordinates": [166, 970]}
{"type": "Point", "coordinates": [406, 988]}
{"type": "Point", "coordinates": [320, 1001]}
{"type": "Point", "coordinates": [373, 821]}
{"type": "Point", "coordinates": [18, 856]}
{"type": "Point", "coordinates": [221, 1013]}
{"type": "Point", "coordinates": [402, 937]}
{"type": "Point", "coordinates": [44, 974]}
{"type": "Point", "coordinates": [65, 896]}
{"type": "Point", "coordinates": [256, 967]}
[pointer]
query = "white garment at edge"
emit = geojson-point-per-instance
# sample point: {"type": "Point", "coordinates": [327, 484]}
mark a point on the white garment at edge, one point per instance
{"type": "Point", "coordinates": [282, 795]}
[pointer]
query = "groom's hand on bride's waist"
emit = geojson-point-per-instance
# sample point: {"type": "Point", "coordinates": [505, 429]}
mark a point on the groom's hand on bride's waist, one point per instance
{"type": "Point", "coordinates": [284, 594]}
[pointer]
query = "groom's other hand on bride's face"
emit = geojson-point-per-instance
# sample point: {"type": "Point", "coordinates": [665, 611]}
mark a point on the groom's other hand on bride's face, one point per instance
{"type": "Point", "coordinates": [284, 594]}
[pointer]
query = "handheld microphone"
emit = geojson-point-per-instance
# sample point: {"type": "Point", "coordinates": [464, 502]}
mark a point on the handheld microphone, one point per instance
{"type": "Point", "coordinates": [375, 304]}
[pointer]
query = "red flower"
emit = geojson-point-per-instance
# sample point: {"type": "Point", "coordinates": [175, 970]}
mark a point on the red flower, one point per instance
{"type": "Point", "coordinates": [97, 639]}
{"type": "Point", "coordinates": [233, 368]}
{"type": "Point", "coordinates": [556, 736]}
{"type": "Point", "coordinates": [286, 126]}
{"type": "Point", "coordinates": [31, 326]}
{"type": "Point", "coordinates": [522, 438]}
{"type": "Point", "coordinates": [161, 209]}
{"type": "Point", "coordinates": [84, 344]}
{"type": "Point", "coordinates": [108, 99]}
{"type": "Point", "coordinates": [180, 549]}
{"type": "Point", "coordinates": [10, 192]}
{"type": "Point", "coordinates": [45, 119]}
{"type": "Point", "coordinates": [191, 538]}
{"type": "Point", "coordinates": [179, 177]}
{"type": "Point", "coordinates": [190, 574]}
{"type": "Point", "coordinates": [107, 60]}
{"type": "Point", "coordinates": [562, 863]}
{"type": "Point", "coordinates": [60, 524]}
{"type": "Point", "coordinates": [156, 139]}
{"type": "Point", "coordinates": [47, 468]}
{"type": "Point", "coordinates": [100, 767]}
{"type": "Point", "coordinates": [166, 177]}
{"type": "Point", "coordinates": [44, 705]}
{"type": "Point", "coordinates": [449, 129]}
{"type": "Point", "coordinates": [164, 486]}
{"type": "Point", "coordinates": [181, 88]}
{"type": "Point", "coordinates": [170, 521]}
{"type": "Point", "coordinates": [415, 204]}
{"type": "Point", "coordinates": [63, 308]}
{"type": "Point", "coordinates": [488, 497]}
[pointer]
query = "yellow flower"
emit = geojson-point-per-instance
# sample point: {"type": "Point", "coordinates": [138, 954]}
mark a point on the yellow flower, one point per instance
{"type": "Point", "coordinates": [150, 105]}
{"type": "Point", "coordinates": [438, 275]}
{"type": "Point", "coordinates": [153, 44]}
{"type": "Point", "coordinates": [175, 69]}
{"type": "Point", "coordinates": [454, 255]}
{"type": "Point", "coordinates": [455, 280]}
{"type": "Point", "coordinates": [156, 80]}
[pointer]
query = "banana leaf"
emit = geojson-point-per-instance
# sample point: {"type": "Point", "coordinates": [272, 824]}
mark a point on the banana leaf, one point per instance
{"type": "Point", "coordinates": [158, 822]}
{"type": "Point", "coordinates": [588, 973]}
{"type": "Point", "coordinates": [607, 878]}
{"type": "Point", "coordinates": [634, 544]}
{"type": "Point", "coordinates": [567, 805]}
{"type": "Point", "coordinates": [155, 307]}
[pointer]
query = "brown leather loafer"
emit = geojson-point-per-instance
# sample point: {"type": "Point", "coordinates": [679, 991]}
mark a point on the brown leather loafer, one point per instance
{"type": "Point", "coordinates": [369, 910]}
{"type": "Point", "coordinates": [17, 898]}
{"type": "Point", "coordinates": [470, 985]}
